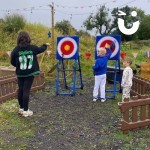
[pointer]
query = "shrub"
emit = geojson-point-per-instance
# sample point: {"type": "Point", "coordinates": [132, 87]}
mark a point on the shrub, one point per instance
{"type": "Point", "coordinates": [14, 23]}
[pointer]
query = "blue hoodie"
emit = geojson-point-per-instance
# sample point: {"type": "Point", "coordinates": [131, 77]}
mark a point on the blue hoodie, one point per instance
{"type": "Point", "coordinates": [100, 66]}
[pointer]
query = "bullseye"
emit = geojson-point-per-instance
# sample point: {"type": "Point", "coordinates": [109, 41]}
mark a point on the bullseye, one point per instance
{"type": "Point", "coordinates": [67, 47]}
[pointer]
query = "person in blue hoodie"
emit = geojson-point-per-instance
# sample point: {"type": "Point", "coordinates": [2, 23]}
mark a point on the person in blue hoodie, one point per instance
{"type": "Point", "coordinates": [100, 68]}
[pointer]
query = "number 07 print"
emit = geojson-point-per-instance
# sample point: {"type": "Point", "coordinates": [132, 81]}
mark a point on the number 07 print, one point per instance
{"type": "Point", "coordinates": [67, 47]}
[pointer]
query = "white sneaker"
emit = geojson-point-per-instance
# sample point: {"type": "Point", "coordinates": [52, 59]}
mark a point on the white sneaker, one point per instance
{"type": "Point", "coordinates": [27, 113]}
{"type": "Point", "coordinates": [103, 99]}
{"type": "Point", "coordinates": [20, 111]}
{"type": "Point", "coordinates": [94, 99]}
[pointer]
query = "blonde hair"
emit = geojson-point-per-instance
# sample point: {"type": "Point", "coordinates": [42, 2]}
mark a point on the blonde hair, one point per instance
{"type": "Point", "coordinates": [102, 50]}
{"type": "Point", "coordinates": [128, 60]}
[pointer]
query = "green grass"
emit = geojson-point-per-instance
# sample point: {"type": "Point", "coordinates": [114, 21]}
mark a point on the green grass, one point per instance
{"type": "Point", "coordinates": [142, 143]}
{"type": "Point", "coordinates": [14, 129]}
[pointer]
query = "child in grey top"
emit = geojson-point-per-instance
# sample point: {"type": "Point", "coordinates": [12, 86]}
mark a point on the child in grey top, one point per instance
{"type": "Point", "coordinates": [127, 78]}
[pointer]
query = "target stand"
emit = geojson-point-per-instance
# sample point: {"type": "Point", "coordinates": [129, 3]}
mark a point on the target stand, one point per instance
{"type": "Point", "coordinates": [115, 72]}
{"type": "Point", "coordinates": [69, 76]}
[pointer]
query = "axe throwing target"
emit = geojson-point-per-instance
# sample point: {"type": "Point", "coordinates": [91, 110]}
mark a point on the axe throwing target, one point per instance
{"type": "Point", "coordinates": [67, 47]}
{"type": "Point", "coordinates": [113, 41]}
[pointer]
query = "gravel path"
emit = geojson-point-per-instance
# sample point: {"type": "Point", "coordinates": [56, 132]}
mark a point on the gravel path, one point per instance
{"type": "Point", "coordinates": [75, 123]}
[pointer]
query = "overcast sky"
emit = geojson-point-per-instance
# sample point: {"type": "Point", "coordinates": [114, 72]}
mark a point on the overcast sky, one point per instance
{"type": "Point", "coordinates": [75, 11]}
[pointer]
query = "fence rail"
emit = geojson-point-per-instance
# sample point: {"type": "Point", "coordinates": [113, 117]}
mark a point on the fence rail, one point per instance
{"type": "Point", "coordinates": [8, 86]}
{"type": "Point", "coordinates": [141, 86]}
{"type": "Point", "coordinates": [136, 111]}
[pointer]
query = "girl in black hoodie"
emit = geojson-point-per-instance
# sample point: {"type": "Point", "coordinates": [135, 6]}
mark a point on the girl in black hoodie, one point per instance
{"type": "Point", "coordinates": [24, 58]}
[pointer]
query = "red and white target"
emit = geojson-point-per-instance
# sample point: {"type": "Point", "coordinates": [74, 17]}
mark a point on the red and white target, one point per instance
{"type": "Point", "coordinates": [67, 47]}
{"type": "Point", "coordinates": [112, 41]}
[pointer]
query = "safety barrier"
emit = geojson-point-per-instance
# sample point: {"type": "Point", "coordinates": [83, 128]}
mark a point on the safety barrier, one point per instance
{"type": "Point", "coordinates": [136, 113]}
{"type": "Point", "coordinates": [8, 86]}
{"type": "Point", "coordinates": [141, 86]}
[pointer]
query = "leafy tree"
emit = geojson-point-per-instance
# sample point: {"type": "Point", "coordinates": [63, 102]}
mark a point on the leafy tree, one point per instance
{"type": "Point", "coordinates": [82, 33]}
{"type": "Point", "coordinates": [128, 20]}
{"type": "Point", "coordinates": [65, 27]}
{"type": "Point", "coordinates": [144, 29]}
{"type": "Point", "coordinates": [104, 25]}
{"type": "Point", "coordinates": [100, 21]}
{"type": "Point", "coordinates": [14, 23]}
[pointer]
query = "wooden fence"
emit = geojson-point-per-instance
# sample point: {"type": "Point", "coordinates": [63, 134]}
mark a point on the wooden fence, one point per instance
{"type": "Point", "coordinates": [8, 86]}
{"type": "Point", "coordinates": [141, 86]}
{"type": "Point", "coordinates": [136, 111]}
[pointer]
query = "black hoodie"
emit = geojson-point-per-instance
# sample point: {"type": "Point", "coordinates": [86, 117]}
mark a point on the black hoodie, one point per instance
{"type": "Point", "coordinates": [25, 60]}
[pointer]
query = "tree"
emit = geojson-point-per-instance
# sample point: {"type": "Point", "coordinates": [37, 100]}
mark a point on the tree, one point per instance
{"type": "Point", "coordinates": [82, 33]}
{"type": "Point", "coordinates": [104, 25]}
{"type": "Point", "coordinates": [14, 23]}
{"type": "Point", "coordinates": [144, 29]}
{"type": "Point", "coordinates": [65, 27]}
{"type": "Point", "coordinates": [100, 21]}
{"type": "Point", "coordinates": [128, 20]}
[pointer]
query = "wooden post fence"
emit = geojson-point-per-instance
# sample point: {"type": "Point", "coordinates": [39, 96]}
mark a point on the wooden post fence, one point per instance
{"type": "Point", "coordinates": [8, 86]}
{"type": "Point", "coordinates": [136, 113]}
{"type": "Point", "coordinates": [141, 86]}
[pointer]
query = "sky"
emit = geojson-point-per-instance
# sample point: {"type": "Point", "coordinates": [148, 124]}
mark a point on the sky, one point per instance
{"type": "Point", "coordinates": [75, 11]}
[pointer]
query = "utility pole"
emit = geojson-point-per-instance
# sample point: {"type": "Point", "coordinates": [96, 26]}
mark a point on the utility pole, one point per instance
{"type": "Point", "coordinates": [52, 19]}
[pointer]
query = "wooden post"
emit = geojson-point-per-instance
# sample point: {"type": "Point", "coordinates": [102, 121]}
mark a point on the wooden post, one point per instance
{"type": "Point", "coordinates": [135, 111]}
{"type": "Point", "coordinates": [52, 14]}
